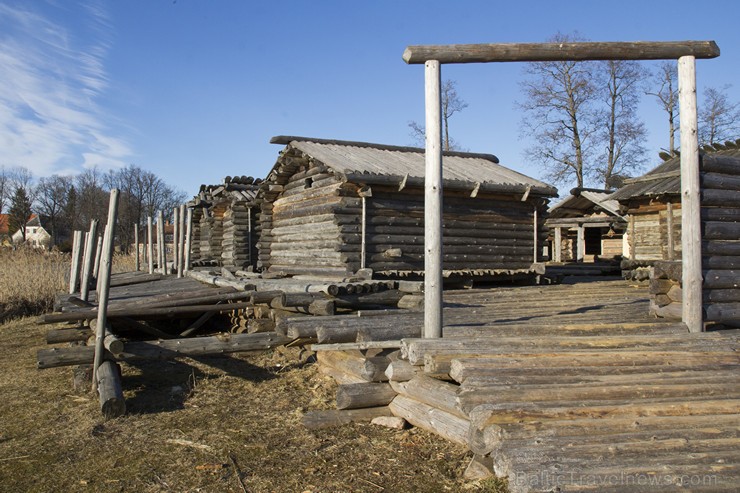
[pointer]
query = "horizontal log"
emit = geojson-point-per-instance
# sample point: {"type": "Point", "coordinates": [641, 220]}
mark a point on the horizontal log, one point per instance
{"type": "Point", "coordinates": [401, 371]}
{"type": "Point", "coordinates": [722, 312]}
{"type": "Point", "coordinates": [720, 198]}
{"type": "Point", "coordinates": [363, 395]}
{"type": "Point", "coordinates": [169, 349]}
{"type": "Point", "coordinates": [720, 230]}
{"type": "Point", "coordinates": [446, 425]}
{"type": "Point", "coordinates": [369, 368]}
{"type": "Point", "coordinates": [435, 393]}
{"type": "Point", "coordinates": [721, 279]}
{"type": "Point", "coordinates": [72, 334]}
{"type": "Point", "coordinates": [543, 52]}
{"type": "Point", "coordinates": [316, 420]}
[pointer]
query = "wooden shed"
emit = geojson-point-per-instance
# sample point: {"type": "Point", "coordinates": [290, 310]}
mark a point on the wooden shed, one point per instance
{"type": "Point", "coordinates": [653, 205]}
{"type": "Point", "coordinates": [586, 225]}
{"type": "Point", "coordinates": [332, 207]}
{"type": "Point", "coordinates": [225, 223]}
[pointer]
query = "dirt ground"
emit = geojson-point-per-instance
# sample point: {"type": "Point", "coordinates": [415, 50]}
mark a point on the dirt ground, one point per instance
{"type": "Point", "coordinates": [219, 424]}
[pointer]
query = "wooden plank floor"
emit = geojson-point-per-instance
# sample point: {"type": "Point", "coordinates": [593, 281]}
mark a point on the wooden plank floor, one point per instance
{"type": "Point", "coordinates": [574, 388]}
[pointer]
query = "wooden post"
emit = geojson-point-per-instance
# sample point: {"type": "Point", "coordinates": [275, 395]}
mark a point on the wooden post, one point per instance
{"type": "Point", "coordinates": [632, 237]}
{"type": "Point", "coordinates": [85, 249]}
{"type": "Point", "coordinates": [433, 202]}
{"type": "Point", "coordinates": [104, 277]}
{"type": "Point", "coordinates": [74, 272]}
{"type": "Point", "coordinates": [181, 243]}
{"type": "Point", "coordinates": [669, 227]}
{"type": "Point", "coordinates": [175, 243]}
{"type": "Point", "coordinates": [363, 246]}
{"type": "Point", "coordinates": [92, 238]}
{"type": "Point", "coordinates": [580, 244]}
{"type": "Point", "coordinates": [189, 236]}
{"type": "Point", "coordinates": [136, 241]}
{"type": "Point", "coordinates": [150, 244]}
{"type": "Point", "coordinates": [690, 198]}
{"type": "Point", "coordinates": [161, 245]}
{"type": "Point", "coordinates": [534, 230]}
{"type": "Point", "coordinates": [558, 244]}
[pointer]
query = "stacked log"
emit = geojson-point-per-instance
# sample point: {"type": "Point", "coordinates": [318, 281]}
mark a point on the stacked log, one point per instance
{"type": "Point", "coordinates": [238, 237]}
{"type": "Point", "coordinates": [636, 270]}
{"type": "Point", "coordinates": [665, 290]}
{"type": "Point", "coordinates": [720, 200]}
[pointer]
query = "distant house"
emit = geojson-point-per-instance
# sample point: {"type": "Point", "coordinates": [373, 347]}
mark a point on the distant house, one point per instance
{"type": "Point", "coordinates": [36, 235]}
{"type": "Point", "coordinates": [585, 225]}
{"type": "Point", "coordinates": [225, 223]}
{"type": "Point", "coordinates": [332, 207]}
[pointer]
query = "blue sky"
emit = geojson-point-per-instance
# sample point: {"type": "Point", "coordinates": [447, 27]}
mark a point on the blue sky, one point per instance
{"type": "Point", "coordinates": [193, 90]}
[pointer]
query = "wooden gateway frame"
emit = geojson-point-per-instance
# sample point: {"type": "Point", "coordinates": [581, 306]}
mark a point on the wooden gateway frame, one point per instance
{"type": "Point", "coordinates": [686, 52]}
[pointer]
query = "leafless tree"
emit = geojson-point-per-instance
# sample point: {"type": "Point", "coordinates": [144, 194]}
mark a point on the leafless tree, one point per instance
{"type": "Point", "coordinates": [4, 189]}
{"type": "Point", "coordinates": [719, 119]}
{"type": "Point", "coordinates": [51, 201]}
{"type": "Point", "coordinates": [451, 104]}
{"type": "Point", "coordinates": [622, 134]}
{"type": "Point", "coordinates": [666, 80]}
{"type": "Point", "coordinates": [559, 114]}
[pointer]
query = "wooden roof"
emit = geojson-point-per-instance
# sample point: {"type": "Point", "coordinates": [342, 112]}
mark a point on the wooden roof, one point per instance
{"type": "Point", "coordinates": [370, 163]}
{"type": "Point", "coordinates": [665, 179]}
{"type": "Point", "coordinates": [582, 201]}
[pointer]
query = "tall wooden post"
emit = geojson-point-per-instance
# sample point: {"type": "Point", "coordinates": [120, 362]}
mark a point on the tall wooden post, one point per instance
{"type": "Point", "coordinates": [136, 241]}
{"type": "Point", "coordinates": [161, 245]}
{"type": "Point", "coordinates": [534, 230]}
{"type": "Point", "coordinates": [558, 247]}
{"type": "Point", "coordinates": [98, 253]}
{"type": "Point", "coordinates": [580, 244]}
{"type": "Point", "coordinates": [433, 202]}
{"type": "Point", "coordinates": [175, 236]}
{"type": "Point", "coordinates": [150, 244]}
{"type": "Point", "coordinates": [92, 238]}
{"type": "Point", "coordinates": [690, 199]}
{"type": "Point", "coordinates": [669, 228]}
{"type": "Point", "coordinates": [189, 237]}
{"type": "Point", "coordinates": [104, 275]}
{"type": "Point", "coordinates": [181, 243]}
{"type": "Point", "coordinates": [74, 272]}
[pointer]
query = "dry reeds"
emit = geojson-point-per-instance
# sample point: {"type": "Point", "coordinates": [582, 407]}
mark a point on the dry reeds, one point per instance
{"type": "Point", "coordinates": [31, 278]}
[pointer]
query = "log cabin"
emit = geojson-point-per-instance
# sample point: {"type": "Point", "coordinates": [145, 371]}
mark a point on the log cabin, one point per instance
{"type": "Point", "coordinates": [225, 223]}
{"type": "Point", "coordinates": [652, 204]}
{"type": "Point", "coordinates": [334, 208]}
{"type": "Point", "coordinates": [586, 225]}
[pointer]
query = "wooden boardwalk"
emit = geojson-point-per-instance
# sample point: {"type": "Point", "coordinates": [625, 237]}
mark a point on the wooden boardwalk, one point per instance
{"type": "Point", "coordinates": [574, 388]}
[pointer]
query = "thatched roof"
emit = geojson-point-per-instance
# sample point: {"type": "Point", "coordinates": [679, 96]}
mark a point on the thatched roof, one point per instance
{"type": "Point", "coordinates": [368, 163]}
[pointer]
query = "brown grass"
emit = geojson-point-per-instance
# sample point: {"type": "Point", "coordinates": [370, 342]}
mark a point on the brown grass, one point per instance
{"type": "Point", "coordinates": [206, 425]}
{"type": "Point", "coordinates": [31, 278]}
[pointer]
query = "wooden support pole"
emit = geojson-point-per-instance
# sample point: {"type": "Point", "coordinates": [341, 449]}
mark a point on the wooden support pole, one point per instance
{"type": "Point", "coordinates": [669, 228]}
{"type": "Point", "coordinates": [558, 247]}
{"type": "Point", "coordinates": [690, 196]}
{"type": "Point", "coordinates": [189, 237]}
{"type": "Point", "coordinates": [181, 243]}
{"type": "Point", "coordinates": [161, 245]}
{"type": "Point", "coordinates": [85, 249]}
{"type": "Point", "coordinates": [632, 237]}
{"type": "Point", "coordinates": [534, 230]}
{"type": "Point", "coordinates": [433, 202]}
{"type": "Point", "coordinates": [546, 52]}
{"type": "Point", "coordinates": [150, 244]}
{"type": "Point", "coordinates": [137, 267]}
{"type": "Point", "coordinates": [175, 242]}
{"type": "Point", "coordinates": [104, 282]}
{"type": "Point", "coordinates": [580, 244]}
{"type": "Point", "coordinates": [363, 245]}
{"type": "Point", "coordinates": [74, 272]}
{"type": "Point", "coordinates": [92, 238]}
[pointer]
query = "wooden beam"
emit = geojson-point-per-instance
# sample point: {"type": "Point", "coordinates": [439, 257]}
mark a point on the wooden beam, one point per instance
{"type": "Point", "coordinates": [92, 238]}
{"type": "Point", "coordinates": [150, 244]}
{"type": "Point", "coordinates": [690, 195]}
{"type": "Point", "coordinates": [74, 273]}
{"type": "Point", "coordinates": [580, 244]}
{"type": "Point", "coordinates": [189, 236]}
{"type": "Point", "coordinates": [558, 247]}
{"type": "Point", "coordinates": [433, 202]}
{"type": "Point", "coordinates": [137, 266]}
{"type": "Point", "coordinates": [547, 52]}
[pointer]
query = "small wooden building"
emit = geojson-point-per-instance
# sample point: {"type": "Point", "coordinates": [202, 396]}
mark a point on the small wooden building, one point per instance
{"type": "Point", "coordinates": [333, 207]}
{"type": "Point", "coordinates": [653, 205]}
{"type": "Point", "coordinates": [586, 225]}
{"type": "Point", "coordinates": [225, 223]}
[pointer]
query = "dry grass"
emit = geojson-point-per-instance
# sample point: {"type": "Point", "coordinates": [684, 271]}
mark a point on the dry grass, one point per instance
{"type": "Point", "coordinates": [30, 279]}
{"type": "Point", "coordinates": [207, 425]}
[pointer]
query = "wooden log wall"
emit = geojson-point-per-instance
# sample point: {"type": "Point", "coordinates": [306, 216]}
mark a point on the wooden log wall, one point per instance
{"type": "Point", "coordinates": [237, 236]}
{"type": "Point", "coordinates": [720, 197]}
{"type": "Point", "coordinates": [197, 234]}
{"type": "Point", "coordinates": [651, 226]}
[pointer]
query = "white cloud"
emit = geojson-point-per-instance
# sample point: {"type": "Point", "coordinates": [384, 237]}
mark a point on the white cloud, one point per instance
{"type": "Point", "coordinates": [52, 77]}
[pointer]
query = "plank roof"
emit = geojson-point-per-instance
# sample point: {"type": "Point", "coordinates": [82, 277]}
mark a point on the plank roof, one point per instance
{"type": "Point", "coordinates": [361, 161]}
{"type": "Point", "coordinates": [583, 200]}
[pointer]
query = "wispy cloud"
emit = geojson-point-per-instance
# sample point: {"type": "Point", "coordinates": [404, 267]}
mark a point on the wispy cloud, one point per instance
{"type": "Point", "coordinates": [53, 76]}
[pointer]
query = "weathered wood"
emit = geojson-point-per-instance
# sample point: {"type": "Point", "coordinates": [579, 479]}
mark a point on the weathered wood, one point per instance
{"type": "Point", "coordinates": [112, 403]}
{"type": "Point", "coordinates": [435, 393]}
{"type": "Point", "coordinates": [363, 395]}
{"type": "Point", "coordinates": [88, 259]}
{"type": "Point", "coordinates": [168, 349]}
{"type": "Point", "coordinates": [113, 344]}
{"type": "Point", "coordinates": [188, 239]}
{"type": "Point", "coordinates": [150, 244]}
{"type": "Point", "coordinates": [73, 334]}
{"type": "Point", "coordinates": [369, 368]}
{"type": "Point", "coordinates": [74, 273]}
{"type": "Point", "coordinates": [446, 425]}
{"type": "Point", "coordinates": [543, 52]}
{"type": "Point", "coordinates": [402, 371]}
{"type": "Point", "coordinates": [315, 420]}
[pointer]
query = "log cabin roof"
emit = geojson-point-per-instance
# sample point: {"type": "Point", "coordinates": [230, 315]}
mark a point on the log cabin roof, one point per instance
{"type": "Point", "coordinates": [665, 179]}
{"type": "Point", "coordinates": [583, 201]}
{"type": "Point", "coordinates": [369, 163]}
{"type": "Point", "coordinates": [233, 189]}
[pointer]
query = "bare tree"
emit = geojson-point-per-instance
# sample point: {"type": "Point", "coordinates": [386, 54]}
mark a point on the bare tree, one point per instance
{"type": "Point", "coordinates": [91, 199]}
{"type": "Point", "coordinates": [666, 79]}
{"type": "Point", "coordinates": [719, 119]}
{"type": "Point", "coordinates": [622, 134]}
{"type": "Point", "coordinates": [51, 198]}
{"type": "Point", "coordinates": [558, 106]}
{"type": "Point", "coordinates": [4, 189]}
{"type": "Point", "coordinates": [451, 104]}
